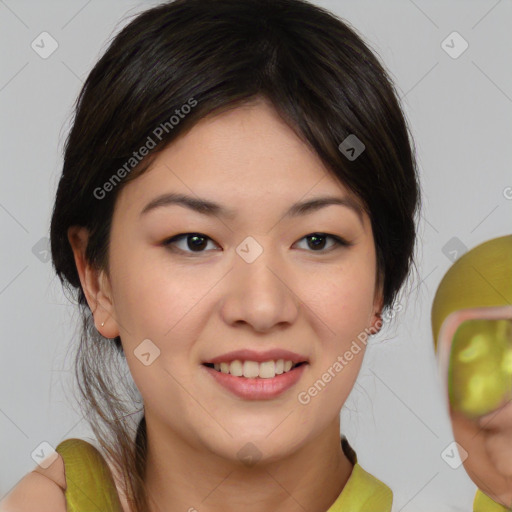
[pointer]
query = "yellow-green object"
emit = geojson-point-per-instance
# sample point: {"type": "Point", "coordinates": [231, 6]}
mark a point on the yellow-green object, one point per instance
{"type": "Point", "coordinates": [90, 485]}
{"type": "Point", "coordinates": [480, 374]}
{"type": "Point", "coordinates": [480, 278]}
{"type": "Point", "coordinates": [91, 488]}
{"type": "Point", "coordinates": [363, 493]}
{"type": "Point", "coordinates": [483, 503]}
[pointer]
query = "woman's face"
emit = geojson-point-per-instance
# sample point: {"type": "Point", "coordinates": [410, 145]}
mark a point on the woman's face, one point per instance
{"type": "Point", "coordinates": [253, 280]}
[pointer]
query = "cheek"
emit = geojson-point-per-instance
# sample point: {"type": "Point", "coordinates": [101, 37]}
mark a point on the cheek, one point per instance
{"type": "Point", "coordinates": [163, 306]}
{"type": "Point", "coordinates": [340, 306]}
{"type": "Point", "coordinates": [154, 298]}
{"type": "Point", "coordinates": [166, 310]}
{"type": "Point", "coordinates": [343, 299]}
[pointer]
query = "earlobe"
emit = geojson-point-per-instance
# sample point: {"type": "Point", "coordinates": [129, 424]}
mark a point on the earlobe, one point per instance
{"type": "Point", "coordinates": [104, 311]}
{"type": "Point", "coordinates": [94, 284]}
{"type": "Point", "coordinates": [376, 325]}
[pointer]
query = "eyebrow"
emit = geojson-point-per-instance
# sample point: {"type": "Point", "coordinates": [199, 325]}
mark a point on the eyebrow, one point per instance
{"type": "Point", "coordinates": [210, 208]}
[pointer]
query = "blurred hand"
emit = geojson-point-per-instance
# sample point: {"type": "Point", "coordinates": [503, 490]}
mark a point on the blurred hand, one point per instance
{"type": "Point", "coordinates": [488, 441]}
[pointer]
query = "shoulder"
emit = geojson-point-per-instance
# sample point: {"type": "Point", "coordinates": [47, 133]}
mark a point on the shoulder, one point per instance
{"type": "Point", "coordinates": [90, 476]}
{"type": "Point", "coordinates": [377, 489]}
{"type": "Point", "coordinates": [46, 490]}
{"type": "Point", "coordinates": [483, 503]}
{"type": "Point", "coordinates": [363, 487]}
{"type": "Point", "coordinates": [363, 492]}
{"type": "Point", "coordinates": [41, 490]}
{"type": "Point", "coordinates": [369, 492]}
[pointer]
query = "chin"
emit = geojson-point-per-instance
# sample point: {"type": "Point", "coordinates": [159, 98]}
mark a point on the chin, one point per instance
{"type": "Point", "coordinates": [256, 449]}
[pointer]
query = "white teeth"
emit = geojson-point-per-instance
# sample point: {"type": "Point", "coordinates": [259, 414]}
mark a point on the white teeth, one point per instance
{"type": "Point", "coordinates": [236, 368]}
{"type": "Point", "coordinates": [267, 370]}
{"type": "Point", "coordinates": [252, 369]}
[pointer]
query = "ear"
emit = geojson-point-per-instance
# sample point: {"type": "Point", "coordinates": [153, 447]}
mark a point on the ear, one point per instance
{"type": "Point", "coordinates": [95, 284]}
{"type": "Point", "coordinates": [378, 302]}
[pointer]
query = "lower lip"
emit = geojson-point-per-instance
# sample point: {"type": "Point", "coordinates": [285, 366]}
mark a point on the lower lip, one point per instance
{"type": "Point", "coordinates": [257, 388]}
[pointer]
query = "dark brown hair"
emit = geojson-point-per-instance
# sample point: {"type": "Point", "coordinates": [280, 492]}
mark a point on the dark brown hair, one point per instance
{"type": "Point", "coordinates": [215, 55]}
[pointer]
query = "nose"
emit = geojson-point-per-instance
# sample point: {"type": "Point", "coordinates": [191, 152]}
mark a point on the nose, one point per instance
{"type": "Point", "coordinates": [258, 294]}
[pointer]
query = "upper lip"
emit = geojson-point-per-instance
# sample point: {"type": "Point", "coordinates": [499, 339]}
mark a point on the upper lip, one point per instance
{"type": "Point", "coordinates": [252, 355]}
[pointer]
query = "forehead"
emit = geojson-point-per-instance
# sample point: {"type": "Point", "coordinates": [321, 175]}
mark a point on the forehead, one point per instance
{"type": "Point", "coordinates": [250, 142]}
{"type": "Point", "coordinates": [245, 154]}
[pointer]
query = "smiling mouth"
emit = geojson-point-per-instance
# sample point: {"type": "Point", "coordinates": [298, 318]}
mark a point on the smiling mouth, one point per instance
{"type": "Point", "coordinates": [253, 369]}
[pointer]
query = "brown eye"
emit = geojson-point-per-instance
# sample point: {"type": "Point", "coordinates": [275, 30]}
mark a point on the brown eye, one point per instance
{"type": "Point", "coordinates": [317, 242]}
{"type": "Point", "coordinates": [194, 242]}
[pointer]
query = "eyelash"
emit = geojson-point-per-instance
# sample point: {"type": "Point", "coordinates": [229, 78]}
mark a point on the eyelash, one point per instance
{"type": "Point", "coordinates": [338, 242]}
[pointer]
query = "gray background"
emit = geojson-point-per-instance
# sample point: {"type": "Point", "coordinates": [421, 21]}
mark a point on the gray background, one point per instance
{"type": "Point", "coordinates": [460, 113]}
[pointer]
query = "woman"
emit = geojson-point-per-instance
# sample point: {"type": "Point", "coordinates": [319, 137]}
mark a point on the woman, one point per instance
{"type": "Point", "coordinates": [236, 212]}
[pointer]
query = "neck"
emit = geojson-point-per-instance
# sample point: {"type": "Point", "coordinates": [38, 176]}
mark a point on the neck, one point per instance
{"type": "Point", "coordinates": [182, 477]}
